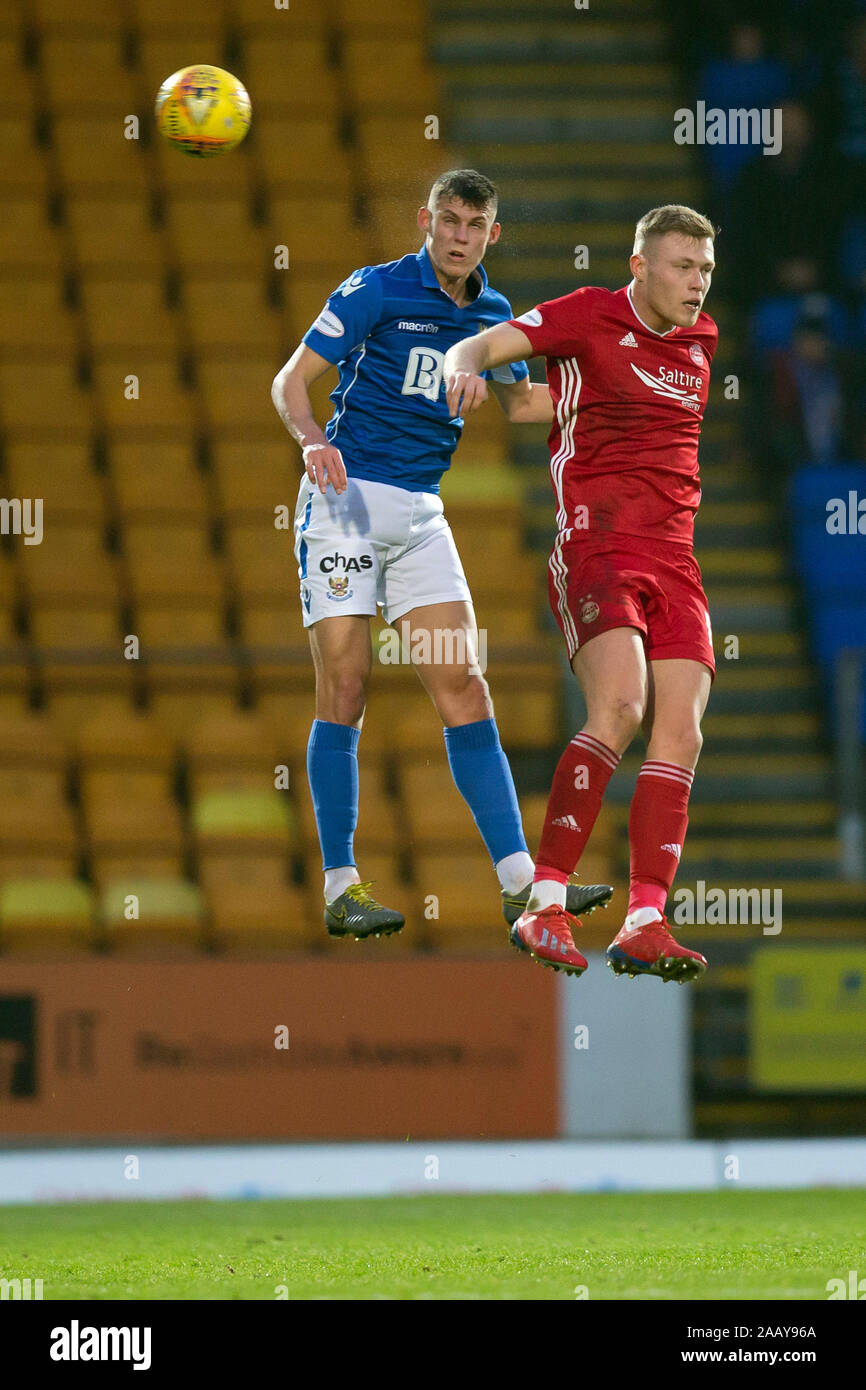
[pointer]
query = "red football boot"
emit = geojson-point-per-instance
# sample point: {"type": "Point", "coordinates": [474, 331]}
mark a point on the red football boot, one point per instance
{"type": "Point", "coordinates": [546, 935]}
{"type": "Point", "coordinates": [651, 950]}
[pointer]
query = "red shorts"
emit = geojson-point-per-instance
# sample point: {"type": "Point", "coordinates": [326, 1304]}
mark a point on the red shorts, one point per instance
{"type": "Point", "coordinates": [596, 585]}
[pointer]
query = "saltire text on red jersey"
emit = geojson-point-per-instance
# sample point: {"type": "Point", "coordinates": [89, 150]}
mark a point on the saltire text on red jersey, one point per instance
{"type": "Point", "coordinates": [628, 405]}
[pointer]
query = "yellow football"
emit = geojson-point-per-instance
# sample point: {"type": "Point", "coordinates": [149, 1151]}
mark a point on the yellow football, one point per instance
{"type": "Point", "coordinates": [203, 110]}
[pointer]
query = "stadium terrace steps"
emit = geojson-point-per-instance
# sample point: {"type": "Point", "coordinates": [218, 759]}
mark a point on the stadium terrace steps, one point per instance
{"type": "Point", "coordinates": [622, 79]}
{"type": "Point", "coordinates": [470, 42]}
{"type": "Point", "coordinates": [542, 9]}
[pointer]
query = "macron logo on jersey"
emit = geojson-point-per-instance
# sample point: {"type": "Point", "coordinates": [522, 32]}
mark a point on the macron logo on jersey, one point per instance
{"type": "Point", "coordinates": [355, 283]}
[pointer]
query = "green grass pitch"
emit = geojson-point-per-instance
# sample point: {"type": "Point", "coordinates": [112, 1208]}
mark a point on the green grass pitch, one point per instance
{"type": "Point", "coordinates": [714, 1245]}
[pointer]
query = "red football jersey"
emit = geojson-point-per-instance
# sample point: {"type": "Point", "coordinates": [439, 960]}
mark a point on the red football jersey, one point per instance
{"type": "Point", "coordinates": [628, 404]}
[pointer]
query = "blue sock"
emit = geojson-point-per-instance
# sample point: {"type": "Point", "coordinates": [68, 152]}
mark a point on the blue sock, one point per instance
{"type": "Point", "coordinates": [483, 778]}
{"type": "Point", "coordinates": [332, 771]}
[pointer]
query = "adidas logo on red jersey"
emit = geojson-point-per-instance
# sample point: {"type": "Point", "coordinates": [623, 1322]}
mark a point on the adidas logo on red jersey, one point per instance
{"type": "Point", "coordinates": [628, 341]}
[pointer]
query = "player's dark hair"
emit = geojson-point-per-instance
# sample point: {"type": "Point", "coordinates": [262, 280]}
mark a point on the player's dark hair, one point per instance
{"type": "Point", "coordinates": [468, 185]}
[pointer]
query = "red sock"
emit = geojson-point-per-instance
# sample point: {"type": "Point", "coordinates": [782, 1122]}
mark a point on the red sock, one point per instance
{"type": "Point", "coordinates": [656, 831]}
{"type": "Point", "coordinates": [581, 776]}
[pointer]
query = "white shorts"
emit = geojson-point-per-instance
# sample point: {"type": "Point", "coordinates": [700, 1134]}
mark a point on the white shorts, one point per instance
{"type": "Point", "coordinates": [373, 545]}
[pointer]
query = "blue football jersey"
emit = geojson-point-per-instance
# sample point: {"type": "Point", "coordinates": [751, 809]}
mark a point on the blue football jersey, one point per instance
{"type": "Point", "coordinates": [387, 329]}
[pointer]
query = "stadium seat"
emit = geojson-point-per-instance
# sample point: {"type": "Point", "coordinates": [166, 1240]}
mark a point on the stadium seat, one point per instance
{"type": "Point", "coordinates": [242, 820]}
{"type": "Point", "coordinates": [18, 81]}
{"type": "Point", "coordinates": [115, 231]}
{"type": "Point", "coordinates": [236, 392]}
{"type": "Point", "coordinates": [27, 382]}
{"type": "Point", "coordinates": [72, 559]}
{"type": "Point", "coordinates": [305, 18]}
{"type": "Point", "coordinates": [290, 711]}
{"type": "Point", "coordinates": [32, 312]}
{"type": "Point", "coordinates": [166, 561]}
{"type": "Point", "coordinates": [46, 916]}
{"type": "Point", "coordinates": [217, 233]}
{"type": "Point", "coordinates": [401, 716]}
{"type": "Point", "coordinates": [461, 887]}
{"type": "Point", "coordinates": [28, 241]}
{"type": "Point", "coordinates": [291, 70]}
{"type": "Point", "coordinates": [15, 658]}
{"type": "Point", "coordinates": [277, 653]}
{"type": "Point", "coordinates": [393, 222]}
{"type": "Point", "coordinates": [184, 705]}
{"type": "Point", "coordinates": [184, 646]}
{"type": "Point", "coordinates": [40, 825]}
{"type": "Point", "coordinates": [120, 865]}
{"type": "Point", "coordinates": [404, 82]}
{"type": "Point", "coordinates": [130, 739]}
{"type": "Point", "coordinates": [256, 476]}
{"type": "Point", "coordinates": [232, 312]}
{"type": "Point", "coordinates": [153, 480]}
{"type": "Point", "coordinates": [171, 920]}
{"type": "Point", "coordinates": [129, 311]}
{"type": "Point", "coordinates": [22, 861]}
{"type": "Point", "coordinates": [526, 701]}
{"type": "Point", "coordinates": [62, 475]}
{"type": "Point", "coordinates": [357, 16]}
{"type": "Point", "coordinates": [236, 751]}
{"type": "Point", "coordinates": [80, 645]}
{"type": "Point", "coordinates": [92, 153]}
{"type": "Point", "coordinates": [300, 155]}
{"type": "Point", "coordinates": [436, 813]}
{"type": "Point", "coordinates": [101, 14]}
{"type": "Point", "coordinates": [70, 710]}
{"type": "Point", "coordinates": [23, 164]}
{"type": "Point", "coordinates": [262, 558]}
{"type": "Point", "coordinates": [86, 71]}
{"type": "Point", "coordinates": [205, 178]}
{"type": "Point", "coordinates": [163, 406]}
{"type": "Point", "coordinates": [274, 624]}
{"type": "Point", "coordinates": [387, 143]}
{"type": "Point", "coordinates": [319, 232]}
{"type": "Point", "coordinates": [254, 907]}
{"type": "Point", "coordinates": [130, 808]}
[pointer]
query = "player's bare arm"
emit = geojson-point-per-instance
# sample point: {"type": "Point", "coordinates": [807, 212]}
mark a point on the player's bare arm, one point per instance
{"type": "Point", "coordinates": [290, 393]}
{"type": "Point", "coordinates": [525, 402]}
{"type": "Point", "coordinates": [465, 362]}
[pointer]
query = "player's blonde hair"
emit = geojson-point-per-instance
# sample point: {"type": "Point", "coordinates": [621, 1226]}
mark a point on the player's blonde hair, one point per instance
{"type": "Point", "coordinates": [673, 217]}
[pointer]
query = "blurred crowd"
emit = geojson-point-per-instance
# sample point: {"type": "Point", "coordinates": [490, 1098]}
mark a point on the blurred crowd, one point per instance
{"type": "Point", "coordinates": [792, 249]}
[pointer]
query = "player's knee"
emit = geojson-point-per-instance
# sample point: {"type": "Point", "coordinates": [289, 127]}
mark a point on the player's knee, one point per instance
{"type": "Point", "coordinates": [464, 699]}
{"type": "Point", "coordinates": [681, 744]}
{"type": "Point", "coordinates": [691, 741]}
{"type": "Point", "coordinates": [625, 716]}
{"type": "Point", "coordinates": [341, 699]}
